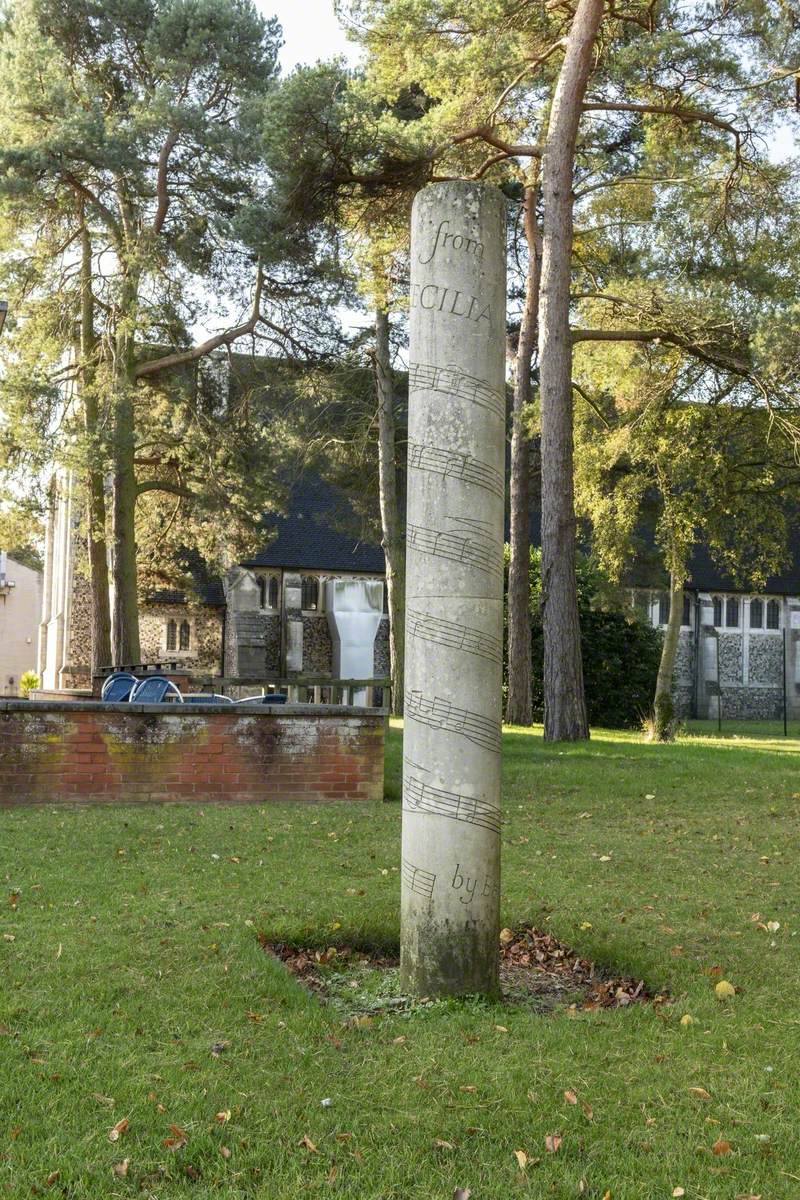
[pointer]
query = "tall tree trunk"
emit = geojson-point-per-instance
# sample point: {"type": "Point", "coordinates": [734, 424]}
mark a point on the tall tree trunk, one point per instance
{"type": "Point", "coordinates": [519, 708]}
{"type": "Point", "coordinates": [96, 499]}
{"type": "Point", "coordinates": [125, 624]}
{"type": "Point", "coordinates": [391, 524]}
{"type": "Point", "coordinates": [663, 705]}
{"type": "Point", "coordinates": [565, 704]}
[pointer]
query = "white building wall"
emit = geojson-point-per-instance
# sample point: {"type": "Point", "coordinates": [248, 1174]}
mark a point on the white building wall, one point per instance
{"type": "Point", "coordinates": [20, 604]}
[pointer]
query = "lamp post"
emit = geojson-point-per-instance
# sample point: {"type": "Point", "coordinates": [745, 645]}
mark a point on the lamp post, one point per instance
{"type": "Point", "coordinates": [3, 311]}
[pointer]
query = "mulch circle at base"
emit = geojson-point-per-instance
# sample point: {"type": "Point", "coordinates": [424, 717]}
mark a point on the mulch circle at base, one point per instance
{"type": "Point", "coordinates": [535, 968]}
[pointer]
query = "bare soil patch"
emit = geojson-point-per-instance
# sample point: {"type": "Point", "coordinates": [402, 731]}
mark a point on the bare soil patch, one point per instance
{"type": "Point", "coordinates": [535, 969]}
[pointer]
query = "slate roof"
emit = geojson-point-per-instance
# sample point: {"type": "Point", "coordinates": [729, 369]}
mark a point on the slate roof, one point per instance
{"type": "Point", "coordinates": [314, 534]}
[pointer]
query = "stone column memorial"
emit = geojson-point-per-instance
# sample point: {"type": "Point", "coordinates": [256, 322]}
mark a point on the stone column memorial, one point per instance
{"type": "Point", "coordinates": [454, 592]}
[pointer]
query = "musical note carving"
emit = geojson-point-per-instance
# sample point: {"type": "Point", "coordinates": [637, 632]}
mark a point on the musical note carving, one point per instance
{"type": "Point", "coordinates": [453, 465]}
{"type": "Point", "coordinates": [417, 880]}
{"type": "Point", "coordinates": [471, 551]}
{"type": "Point", "coordinates": [453, 382]}
{"type": "Point", "coordinates": [422, 797]}
{"type": "Point", "coordinates": [439, 713]}
{"type": "Point", "coordinates": [454, 635]}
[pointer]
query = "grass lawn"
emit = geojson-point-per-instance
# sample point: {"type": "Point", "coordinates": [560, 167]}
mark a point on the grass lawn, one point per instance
{"type": "Point", "coordinates": [128, 950]}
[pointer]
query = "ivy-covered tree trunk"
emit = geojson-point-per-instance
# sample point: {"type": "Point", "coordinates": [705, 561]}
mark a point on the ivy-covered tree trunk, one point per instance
{"type": "Point", "coordinates": [564, 702]}
{"type": "Point", "coordinates": [664, 704]}
{"type": "Point", "coordinates": [519, 707]}
{"type": "Point", "coordinates": [95, 483]}
{"type": "Point", "coordinates": [391, 523]}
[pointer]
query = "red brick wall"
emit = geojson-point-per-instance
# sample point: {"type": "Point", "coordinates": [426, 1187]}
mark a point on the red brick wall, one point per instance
{"type": "Point", "coordinates": [86, 752]}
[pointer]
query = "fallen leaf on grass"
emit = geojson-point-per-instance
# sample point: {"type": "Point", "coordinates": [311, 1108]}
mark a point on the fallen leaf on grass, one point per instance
{"type": "Point", "coordinates": [724, 990]}
{"type": "Point", "coordinates": [306, 1141]}
{"type": "Point", "coordinates": [467, 1087]}
{"type": "Point", "coordinates": [570, 1097]}
{"type": "Point", "coordinates": [679, 1191]}
{"type": "Point", "coordinates": [344, 1137]}
{"type": "Point", "coordinates": [699, 1093]}
{"type": "Point", "coordinates": [441, 1144]}
{"type": "Point", "coordinates": [553, 1143]}
{"type": "Point", "coordinates": [687, 1019]}
{"type": "Point", "coordinates": [721, 1147]}
{"type": "Point", "coordinates": [334, 1171]}
{"type": "Point", "coordinates": [224, 1151]}
{"type": "Point", "coordinates": [120, 1169]}
{"type": "Point", "coordinates": [224, 1116]}
{"type": "Point", "coordinates": [101, 1099]}
{"type": "Point", "coordinates": [9, 937]}
{"type": "Point", "coordinates": [588, 1112]}
{"type": "Point", "coordinates": [462, 1194]}
{"type": "Point", "coordinates": [192, 1172]}
{"type": "Point", "coordinates": [506, 936]}
{"type": "Point", "coordinates": [120, 1128]}
{"type": "Point", "coordinates": [14, 1132]}
{"type": "Point", "coordinates": [521, 1158]}
{"type": "Point", "coordinates": [501, 1029]}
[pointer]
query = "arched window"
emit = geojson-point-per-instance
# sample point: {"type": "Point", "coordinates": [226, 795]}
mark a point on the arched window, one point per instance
{"type": "Point", "coordinates": [756, 614]}
{"type": "Point", "coordinates": [773, 615]}
{"type": "Point", "coordinates": [273, 592]}
{"type": "Point", "coordinates": [172, 635]}
{"type": "Point", "coordinates": [717, 611]}
{"type": "Point", "coordinates": [185, 635]}
{"type": "Point", "coordinates": [262, 592]}
{"type": "Point", "coordinates": [664, 605]}
{"type": "Point", "coordinates": [687, 609]}
{"type": "Point", "coordinates": [309, 593]}
{"type": "Point", "coordinates": [732, 613]}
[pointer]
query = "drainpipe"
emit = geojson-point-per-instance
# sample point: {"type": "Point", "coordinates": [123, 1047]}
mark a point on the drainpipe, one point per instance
{"type": "Point", "coordinates": [696, 680]}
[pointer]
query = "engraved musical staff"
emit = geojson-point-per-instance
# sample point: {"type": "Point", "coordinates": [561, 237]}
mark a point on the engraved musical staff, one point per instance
{"type": "Point", "coordinates": [421, 797]}
{"type": "Point", "coordinates": [453, 635]}
{"type": "Point", "coordinates": [453, 382]}
{"type": "Point", "coordinates": [471, 551]}
{"type": "Point", "coordinates": [438, 713]}
{"type": "Point", "coordinates": [417, 880]}
{"type": "Point", "coordinates": [453, 465]}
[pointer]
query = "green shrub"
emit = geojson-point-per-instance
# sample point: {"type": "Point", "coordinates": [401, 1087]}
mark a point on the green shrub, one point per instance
{"type": "Point", "coordinates": [28, 683]}
{"type": "Point", "coordinates": [620, 654]}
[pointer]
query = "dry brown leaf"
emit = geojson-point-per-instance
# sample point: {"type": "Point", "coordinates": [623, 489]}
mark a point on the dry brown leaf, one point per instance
{"type": "Point", "coordinates": [462, 1194]}
{"type": "Point", "coordinates": [120, 1169]}
{"type": "Point", "coordinates": [101, 1099]}
{"type": "Point", "coordinates": [192, 1172]}
{"type": "Point", "coordinates": [501, 1029]}
{"type": "Point", "coordinates": [699, 1093]}
{"type": "Point", "coordinates": [588, 1111]}
{"type": "Point", "coordinates": [306, 1141]}
{"type": "Point", "coordinates": [175, 1143]}
{"type": "Point", "coordinates": [570, 1097]}
{"type": "Point", "coordinates": [334, 1171]}
{"type": "Point", "coordinates": [224, 1116]}
{"type": "Point", "coordinates": [14, 1132]}
{"type": "Point", "coordinates": [467, 1087]}
{"type": "Point", "coordinates": [521, 1158]}
{"type": "Point", "coordinates": [553, 1143]}
{"type": "Point", "coordinates": [224, 1151]}
{"type": "Point", "coordinates": [506, 936]}
{"type": "Point", "coordinates": [721, 1147]}
{"type": "Point", "coordinates": [679, 1191]}
{"type": "Point", "coordinates": [52, 1178]}
{"type": "Point", "coordinates": [441, 1144]}
{"type": "Point", "coordinates": [120, 1128]}
{"type": "Point", "coordinates": [399, 1041]}
{"type": "Point", "coordinates": [607, 1195]}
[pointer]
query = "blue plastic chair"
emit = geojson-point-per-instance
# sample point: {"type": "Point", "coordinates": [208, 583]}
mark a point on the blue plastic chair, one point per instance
{"type": "Point", "coordinates": [205, 698]}
{"type": "Point", "coordinates": [270, 698]}
{"type": "Point", "coordinates": [118, 687]}
{"type": "Point", "coordinates": [156, 690]}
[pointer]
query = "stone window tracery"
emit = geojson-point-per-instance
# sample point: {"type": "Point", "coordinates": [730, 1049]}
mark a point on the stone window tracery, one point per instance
{"type": "Point", "coordinates": [732, 613]}
{"type": "Point", "coordinates": [773, 615]}
{"type": "Point", "coordinates": [717, 611]}
{"type": "Point", "coordinates": [184, 636]}
{"type": "Point", "coordinates": [756, 614]}
{"type": "Point", "coordinates": [172, 635]}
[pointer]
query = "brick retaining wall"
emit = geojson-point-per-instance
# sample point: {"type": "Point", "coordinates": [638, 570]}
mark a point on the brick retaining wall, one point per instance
{"type": "Point", "coordinates": [53, 751]}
